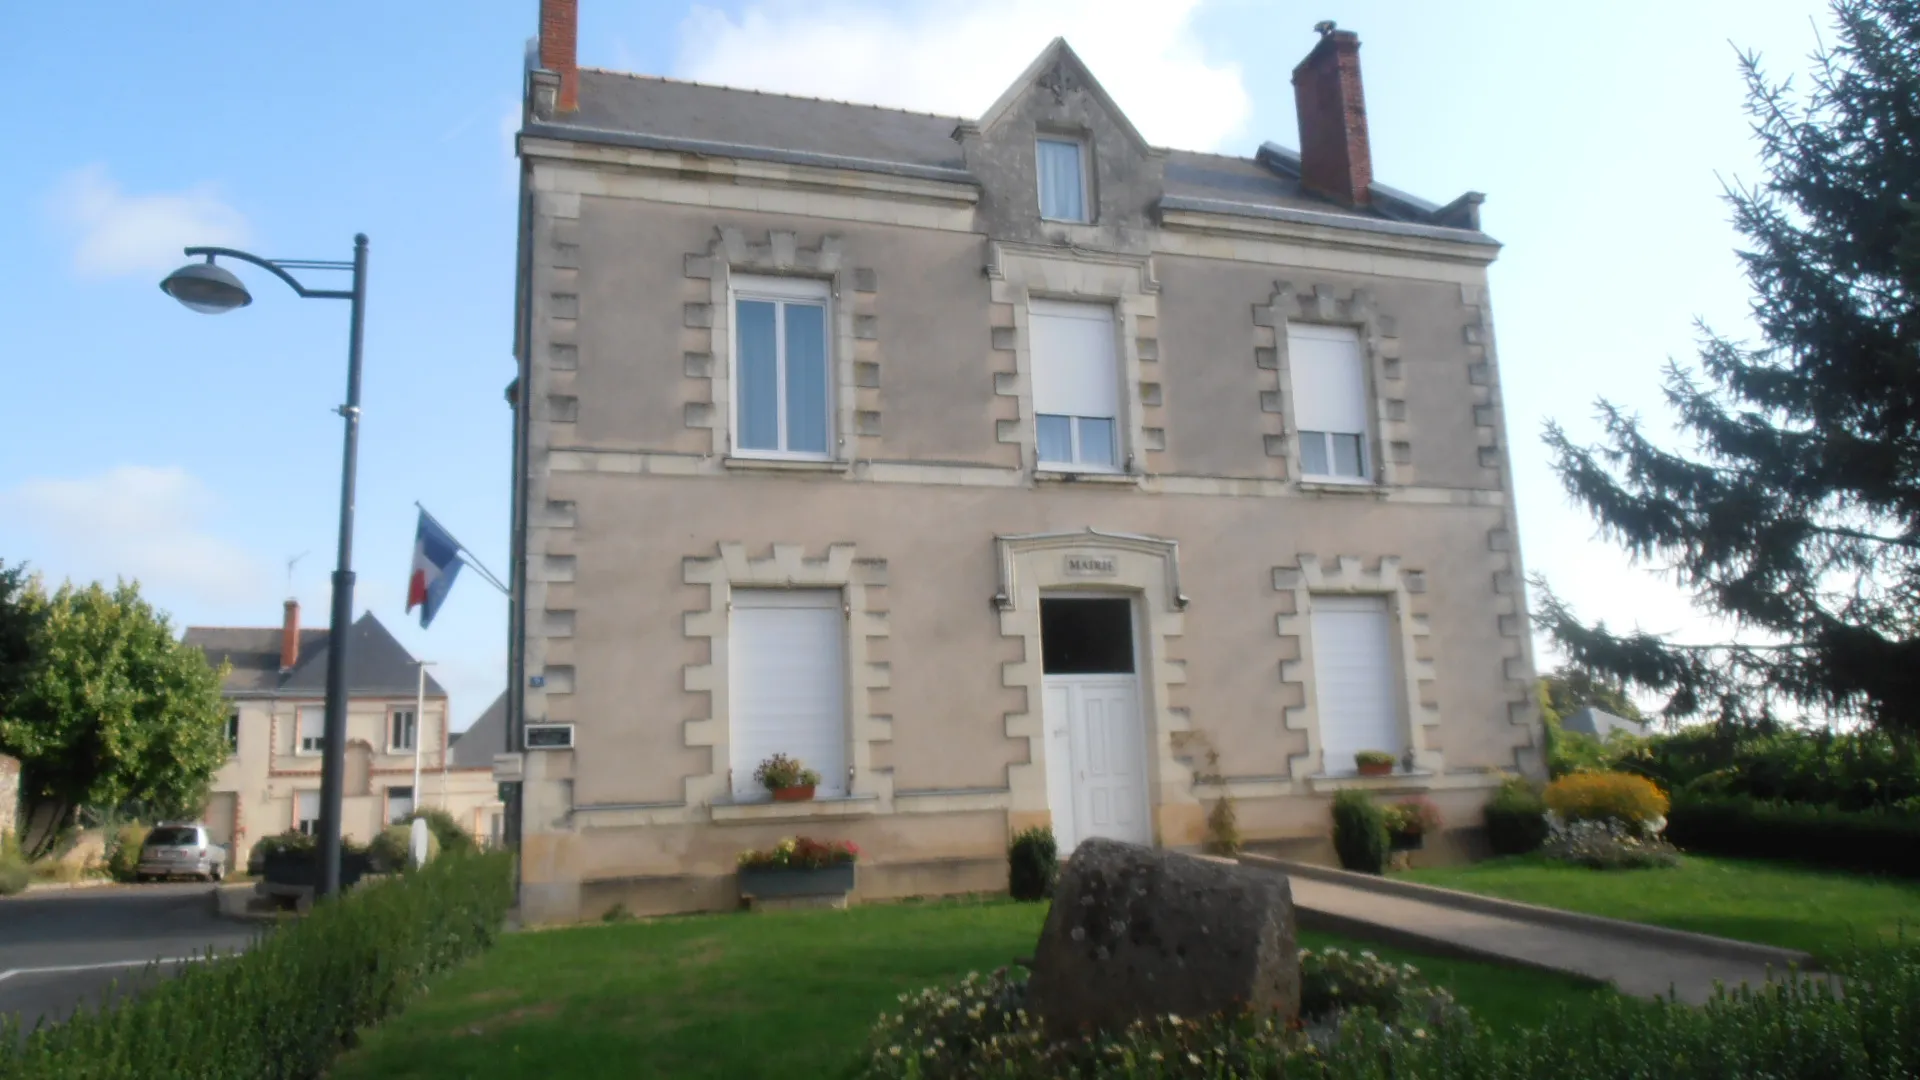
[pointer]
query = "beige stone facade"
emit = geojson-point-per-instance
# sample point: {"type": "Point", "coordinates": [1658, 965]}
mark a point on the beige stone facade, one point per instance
{"type": "Point", "coordinates": [639, 519]}
{"type": "Point", "coordinates": [256, 794]}
{"type": "Point", "coordinates": [275, 690]}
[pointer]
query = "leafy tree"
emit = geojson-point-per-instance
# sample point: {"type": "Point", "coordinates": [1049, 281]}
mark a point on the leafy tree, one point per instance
{"type": "Point", "coordinates": [1569, 689]}
{"type": "Point", "coordinates": [113, 710]}
{"type": "Point", "coordinates": [17, 622]}
{"type": "Point", "coordinates": [1795, 513]}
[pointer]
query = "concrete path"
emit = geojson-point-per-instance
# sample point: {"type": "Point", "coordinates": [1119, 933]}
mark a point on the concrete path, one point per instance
{"type": "Point", "coordinates": [1644, 961]}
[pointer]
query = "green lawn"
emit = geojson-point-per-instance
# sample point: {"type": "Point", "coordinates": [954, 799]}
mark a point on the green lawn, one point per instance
{"type": "Point", "coordinates": [1821, 911]}
{"type": "Point", "coordinates": [785, 995]}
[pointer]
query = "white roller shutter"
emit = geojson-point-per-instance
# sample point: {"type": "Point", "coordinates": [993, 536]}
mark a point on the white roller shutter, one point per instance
{"type": "Point", "coordinates": [1328, 370]}
{"type": "Point", "coordinates": [1072, 351]}
{"type": "Point", "coordinates": [1357, 686]}
{"type": "Point", "coordinates": [786, 685]}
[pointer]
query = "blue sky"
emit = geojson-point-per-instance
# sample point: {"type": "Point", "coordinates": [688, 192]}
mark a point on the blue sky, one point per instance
{"type": "Point", "coordinates": [200, 454]}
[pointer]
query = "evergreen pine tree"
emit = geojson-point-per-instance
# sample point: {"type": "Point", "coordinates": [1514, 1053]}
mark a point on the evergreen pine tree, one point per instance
{"type": "Point", "coordinates": [1796, 511]}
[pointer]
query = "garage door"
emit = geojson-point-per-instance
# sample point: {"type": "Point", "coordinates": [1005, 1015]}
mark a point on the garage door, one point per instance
{"type": "Point", "coordinates": [786, 685]}
{"type": "Point", "coordinates": [1357, 691]}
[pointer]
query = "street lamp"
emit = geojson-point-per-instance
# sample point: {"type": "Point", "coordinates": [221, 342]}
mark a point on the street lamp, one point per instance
{"type": "Point", "coordinates": [212, 289]}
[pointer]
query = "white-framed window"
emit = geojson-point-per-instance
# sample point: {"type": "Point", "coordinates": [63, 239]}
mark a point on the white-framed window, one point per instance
{"type": "Point", "coordinates": [402, 730]}
{"type": "Point", "coordinates": [306, 811]}
{"type": "Point", "coordinates": [1076, 385]}
{"type": "Point", "coordinates": [1328, 369]}
{"type": "Point", "coordinates": [312, 729]}
{"type": "Point", "coordinates": [1357, 680]}
{"type": "Point", "coordinates": [782, 368]}
{"type": "Point", "coordinates": [1060, 164]}
{"type": "Point", "coordinates": [786, 681]}
{"type": "Point", "coordinates": [233, 731]}
{"type": "Point", "coordinates": [399, 804]}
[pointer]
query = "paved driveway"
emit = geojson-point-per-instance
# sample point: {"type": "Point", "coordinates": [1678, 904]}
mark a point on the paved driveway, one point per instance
{"type": "Point", "coordinates": [60, 949]}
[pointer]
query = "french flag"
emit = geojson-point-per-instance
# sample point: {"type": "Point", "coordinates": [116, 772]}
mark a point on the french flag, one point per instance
{"type": "Point", "coordinates": [436, 562]}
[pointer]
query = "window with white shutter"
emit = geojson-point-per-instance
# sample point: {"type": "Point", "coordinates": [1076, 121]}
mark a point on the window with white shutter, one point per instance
{"type": "Point", "coordinates": [1357, 684]}
{"type": "Point", "coordinates": [306, 812]}
{"type": "Point", "coordinates": [1076, 385]}
{"type": "Point", "coordinates": [786, 685]}
{"type": "Point", "coordinates": [1327, 365]}
{"type": "Point", "coordinates": [312, 729]}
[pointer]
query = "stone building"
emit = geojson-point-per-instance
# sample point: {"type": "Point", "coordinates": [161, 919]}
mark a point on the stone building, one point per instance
{"type": "Point", "coordinates": [276, 691]}
{"type": "Point", "coordinates": [1007, 470]}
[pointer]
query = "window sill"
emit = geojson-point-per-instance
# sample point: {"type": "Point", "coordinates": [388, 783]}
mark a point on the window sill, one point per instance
{"type": "Point", "coordinates": [1417, 780]}
{"type": "Point", "coordinates": [1070, 476]}
{"type": "Point", "coordinates": [1328, 486]}
{"type": "Point", "coordinates": [736, 461]}
{"type": "Point", "coordinates": [842, 806]}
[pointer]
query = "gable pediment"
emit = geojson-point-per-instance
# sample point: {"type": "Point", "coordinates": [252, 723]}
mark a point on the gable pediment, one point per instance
{"type": "Point", "coordinates": [1058, 97]}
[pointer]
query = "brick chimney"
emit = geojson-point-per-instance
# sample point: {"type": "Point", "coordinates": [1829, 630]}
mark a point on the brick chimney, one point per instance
{"type": "Point", "coordinates": [559, 48]}
{"type": "Point", "coordinates": [290, 636]}
{"type": "Point", "coordinates": [1335, 160]}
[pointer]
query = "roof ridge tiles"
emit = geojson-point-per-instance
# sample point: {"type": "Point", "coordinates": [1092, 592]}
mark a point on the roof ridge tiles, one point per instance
{"type": "Point", "coordinates": [775, 93]}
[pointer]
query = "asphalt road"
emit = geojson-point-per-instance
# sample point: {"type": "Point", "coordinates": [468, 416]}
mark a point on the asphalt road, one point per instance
{"type": "Point", "coordinates": [62, 949]}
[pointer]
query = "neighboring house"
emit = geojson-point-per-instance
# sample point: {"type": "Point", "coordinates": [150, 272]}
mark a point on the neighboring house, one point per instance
{"type": "Point", "coordinates": [476, 747]}
{"type": "Point", "coordinates": [277, 690]}
{"type": "Point", "coordinates": [1601, 724]}
{"type": "Point", "coordinates": [1009, 471]}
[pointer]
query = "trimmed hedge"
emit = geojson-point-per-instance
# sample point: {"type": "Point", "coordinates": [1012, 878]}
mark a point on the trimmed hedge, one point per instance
{"type": "Point", "coordinates": [1360, 832]}
{"type": "Point", "coordinates": [1516, 818]}
{"type": "Point", "coordinates": [1033, 862]}
{"type": "Point", "coordinates": [1874, 842]}
{"type": "Point", "coordinates": [289, 1005]}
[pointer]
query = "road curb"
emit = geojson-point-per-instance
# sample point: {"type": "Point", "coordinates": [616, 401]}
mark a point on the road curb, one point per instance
{"type": "Point", "coordinates": [68, 886]}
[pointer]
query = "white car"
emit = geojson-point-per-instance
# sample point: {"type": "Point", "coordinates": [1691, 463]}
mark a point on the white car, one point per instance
{"type": "Point", "coordinates": [181, 851]}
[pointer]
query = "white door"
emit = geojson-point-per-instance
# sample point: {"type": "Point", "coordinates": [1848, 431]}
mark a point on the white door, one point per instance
{"type": "Point", "coordinates": [786, 684]}
{"type": "Point", "coordinates": [1096, 772]}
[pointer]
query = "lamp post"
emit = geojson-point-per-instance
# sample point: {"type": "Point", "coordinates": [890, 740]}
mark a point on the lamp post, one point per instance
{"type": "Point", "coordinates": [211, 289]}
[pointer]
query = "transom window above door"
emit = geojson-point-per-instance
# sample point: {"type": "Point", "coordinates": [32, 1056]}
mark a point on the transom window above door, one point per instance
{"type": "Point", "coordinates": [782, 397]}
{"type": "Point", "coordinates": [1061, 166]}
{"type": "Point", "coordinates": [1328, 370]}
{"type": "Point", "coordinates": [1076, 386]}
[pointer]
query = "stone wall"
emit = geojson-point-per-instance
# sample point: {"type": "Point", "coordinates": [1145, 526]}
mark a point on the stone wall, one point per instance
{"type": "Point", "coordinates": [9, 795]}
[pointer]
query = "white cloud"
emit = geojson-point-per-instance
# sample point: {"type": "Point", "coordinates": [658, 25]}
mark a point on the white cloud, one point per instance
{"type": "Point", "coordinates": [956, 58]}
{"type": "Point", "coordinates": [120, 233]}
{"type": "Point", "coordinates": [138, 522]}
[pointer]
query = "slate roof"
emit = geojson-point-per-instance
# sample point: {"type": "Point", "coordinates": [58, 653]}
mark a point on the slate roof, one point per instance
{"type": "Point", "coordinates": [485, 737]}
{"type": "Point", "coordinates": [377, 664]}
{"type": "Point", "coordinates": [658, 113]}
{"type": "Point", "coordinates": [1600, 723]}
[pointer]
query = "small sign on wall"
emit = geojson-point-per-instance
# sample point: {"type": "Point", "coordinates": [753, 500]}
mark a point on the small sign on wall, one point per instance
{"type": "Point", "coordinates": [1089, 566]}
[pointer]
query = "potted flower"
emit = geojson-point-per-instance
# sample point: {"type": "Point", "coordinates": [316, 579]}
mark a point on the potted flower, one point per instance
{"type": "Point", "coordinates": [1409, 821]}
{"type": "Point", "coordinates": [1374, 763]}
{"type": "Point", "coordinates": [786, 778]}
{"type": "Point", "coordinates": [799, 866]}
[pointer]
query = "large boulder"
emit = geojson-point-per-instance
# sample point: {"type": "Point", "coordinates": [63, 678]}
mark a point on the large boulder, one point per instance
{"type": "Point", "coordinates": [1136, 932]}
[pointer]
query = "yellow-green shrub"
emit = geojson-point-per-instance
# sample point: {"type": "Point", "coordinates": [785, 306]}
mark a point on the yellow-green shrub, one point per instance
{"type": "Point", "coordinates": [123, 851]}
{"type": "Point", "coordinates": [1620, 797]}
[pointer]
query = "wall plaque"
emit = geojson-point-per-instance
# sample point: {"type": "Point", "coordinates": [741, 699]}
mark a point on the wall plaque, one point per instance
{"type": "Point", "coordinates": [1090, 566]}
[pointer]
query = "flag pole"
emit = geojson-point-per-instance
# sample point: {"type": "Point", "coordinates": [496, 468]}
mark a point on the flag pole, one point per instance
{"type": "Point", "coordinates": [462, 549]}
{"type": "Point", "coordinates": [419, 729]}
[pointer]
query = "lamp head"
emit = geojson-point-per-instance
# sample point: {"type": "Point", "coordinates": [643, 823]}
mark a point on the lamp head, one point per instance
{"type": "Point", "coordinates": [206, 288]}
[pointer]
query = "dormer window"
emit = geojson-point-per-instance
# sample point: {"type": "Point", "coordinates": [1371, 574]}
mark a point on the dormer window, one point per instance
{"type": "Point", "coordinates": [1062, 171]}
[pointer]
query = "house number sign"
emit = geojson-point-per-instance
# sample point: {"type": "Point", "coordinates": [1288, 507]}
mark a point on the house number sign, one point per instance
{"type": "Point", "coordinates": [1090, 566]}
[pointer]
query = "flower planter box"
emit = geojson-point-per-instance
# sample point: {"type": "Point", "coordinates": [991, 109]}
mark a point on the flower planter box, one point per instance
{"type": "Point", "coordinates": [1406, 841]}
{"type": "Point", "coordinates": [800, 793]}
{"type": "Point", "coordinates": [302, 870]}
{"type": "Point", "coordinates": [1376, 769]}
{"type": "Point", "coordinates": [778, 883]}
